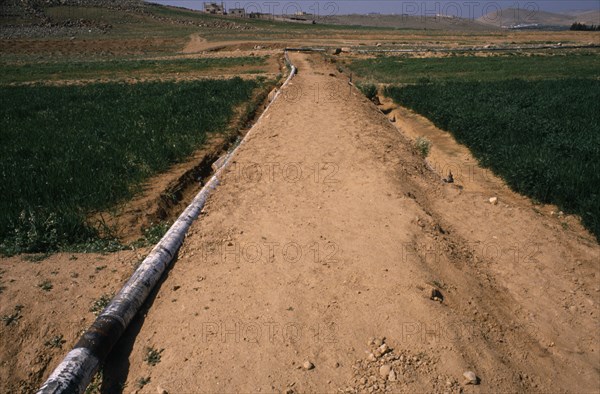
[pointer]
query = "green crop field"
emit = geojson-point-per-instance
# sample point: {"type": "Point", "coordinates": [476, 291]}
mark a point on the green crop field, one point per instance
{"type": "Point", "coordinates": [131, 68]}
{"type": "Point", "coordinates": [404, 69]}
{"type": "Point", "coordinates": [542, 137]}
{"type": "Point", "coordinates": [72, 150]}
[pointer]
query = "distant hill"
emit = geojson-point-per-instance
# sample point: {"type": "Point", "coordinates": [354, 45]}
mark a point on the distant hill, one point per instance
{"type": "Point", "coordinates": [406, 22]}
{"type": "Point", "coordinates": [513, 17]}
{"type": "Point", "coordinates": [587, 17]}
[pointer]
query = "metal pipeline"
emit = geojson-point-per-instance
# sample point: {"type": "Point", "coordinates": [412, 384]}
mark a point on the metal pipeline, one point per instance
{"type": "Point", "coordinates": [77, 369]}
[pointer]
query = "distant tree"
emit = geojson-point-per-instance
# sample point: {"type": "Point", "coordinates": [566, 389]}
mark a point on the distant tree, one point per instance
{"type": "Point", "coordinates": [577, 26]}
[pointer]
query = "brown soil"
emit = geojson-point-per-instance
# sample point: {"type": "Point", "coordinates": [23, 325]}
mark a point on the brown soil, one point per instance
{"type": "Point", "coordinates": [328, 231]}
{"type": "Point", "coordinates": [50, 321]}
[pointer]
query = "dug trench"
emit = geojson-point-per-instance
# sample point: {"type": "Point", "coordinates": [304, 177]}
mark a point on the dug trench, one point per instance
{"type": "Point", "coordinates": [163, 197]}
{"type": "Point", "coordinates": [386, 254]}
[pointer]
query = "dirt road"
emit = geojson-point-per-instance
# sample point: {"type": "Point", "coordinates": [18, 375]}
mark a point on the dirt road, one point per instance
{"type": "Point", "coordinates": [326, 237]}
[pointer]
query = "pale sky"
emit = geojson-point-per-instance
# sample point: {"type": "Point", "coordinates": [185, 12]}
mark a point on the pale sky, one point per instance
{"type": "Point", "coordinates": [465, 9]}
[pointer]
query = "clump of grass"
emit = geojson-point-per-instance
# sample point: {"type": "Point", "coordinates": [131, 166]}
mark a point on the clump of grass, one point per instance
{"type": "Point", "coordinates": [101, 303]}
{"type": "Point", "coordinates": [55, 342]}
{"type": "Point", "coordinates": [95, 385]}
{"type": "Point", "coordinates": [46, 285]}
{"type": "Point", "coordinates": [369, 90]}
{"type": "Point", "coordinates": [14, 317]}
{"type": "Point", "coordinates": [152, 356]}
{"type": "Point", "coordinates": [423, 145]}
{"type": "Point", "coordinates": [141, 382]}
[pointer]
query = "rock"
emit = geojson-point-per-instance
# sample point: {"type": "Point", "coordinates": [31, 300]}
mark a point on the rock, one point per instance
{"type": "Point", "coordinates": [371, 357]}
{"type": "Point", "coordinates": [378, 44]}
{"type": "Point", "coordinates": [383, 349]}
{"type": "Point", "coordinates": [161, 390]}
{"type": "Point", "coordinates": [392, 376]}
{"type": "Point", "coordinates": [308, 365]}
{"type": "Point", "coordinates": [470, 377]}
{"type": "Point", "coordinates": [363, 380]}
{"type": "Point", "coordinates": [494, 200]}
{"type": "Point", "coordinates": [436, 295]}
{"type": "Point", "coordinates": [385, 370]}
{"type": "Point", "coordinates": [337, 51]}
{"type": "Point", "coordinates": [378, 342]}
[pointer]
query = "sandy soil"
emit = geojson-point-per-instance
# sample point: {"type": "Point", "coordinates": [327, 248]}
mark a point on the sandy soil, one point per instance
{"type": "Point", "coordinates": [324, 240]}
{"type": "Point", "coordinates": [39, 325]}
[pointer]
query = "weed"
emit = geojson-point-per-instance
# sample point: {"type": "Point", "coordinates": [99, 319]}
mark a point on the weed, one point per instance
{"type": "Point", "coordinates": [45, 285]}
{"type": "Point", "coordinates": [55, 342]}
{"type": "Point", "coordinates": [13, 317]}
{"type": "Point", "coordinates": [152, 356]}
{"type": "Point", "coordinates": [95, 386]}
{"type": "Point", "coordinates": [101, 303]}
{"type": "Point", "coordinates": [141, 382]}
{"type": "Point", "coordinates": [423, 145]}
{"type": "Point", "coordinates": [369, 90]}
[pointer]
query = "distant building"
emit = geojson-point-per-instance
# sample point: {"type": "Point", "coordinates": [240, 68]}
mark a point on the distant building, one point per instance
{"type": "Point", "coordinates": [239, 12]}
{"type": "Point", "coordinates": [214, 8]}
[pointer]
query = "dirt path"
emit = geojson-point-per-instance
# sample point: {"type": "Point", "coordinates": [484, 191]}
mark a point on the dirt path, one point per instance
{"type": "Point", "coordinates": [327, 231]}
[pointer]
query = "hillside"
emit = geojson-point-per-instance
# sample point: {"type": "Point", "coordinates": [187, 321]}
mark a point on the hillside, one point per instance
{"type": "Point", "coordinates": [513, 16]}
{"type": "Point", "coordinates": [406, 22]}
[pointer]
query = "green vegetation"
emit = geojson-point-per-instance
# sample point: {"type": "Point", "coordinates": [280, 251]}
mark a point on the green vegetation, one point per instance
{"type": "Point", "coordinates": [135, 68]}
{"type": "Point", "coordinates": [542, 137]}
{"type": "Point", "coordinates": [14, 317]}
{"type": "Point", "coordinates": [152, 356]}
{"type": "Point", "coordinates": [46, 285]}
{"type": "Point", "coordinates": [423, 145]}
{"type": "Point", "coordinates": [73, 150]}
{"type": "Point", "coordinates": [55, 342]}
{"type": "Point", "coordinates": [368, 89]}
{"type": "Point", "coordinates": [101, 303]}
{"type": "Point", "coordinates": [403, 69]}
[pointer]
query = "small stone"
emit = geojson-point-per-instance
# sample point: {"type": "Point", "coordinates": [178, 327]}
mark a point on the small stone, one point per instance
{"type": "Point", "coordinates": [494, 200]}
{"type": "Point", "coordinates": [378, 342]}
{"type": "Point", "coordinates": [392, 376]}
{"type": "Point", "coordinates": [161, 390]}
{"type": "Point", "coordinates": [308, 365]}
{"type": "Point", "coordinates": [383, 349]}
{"type": "Point", "coordinates": [384, 370]}
{"type": "Point", "coordinates": [470, 377]}
{"type": "Point", "coordinates": [371, 357]}
{"type": "Point", "coordinates": [363, 380]}
{"type": "Point", "coordinates": [436, 295]}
